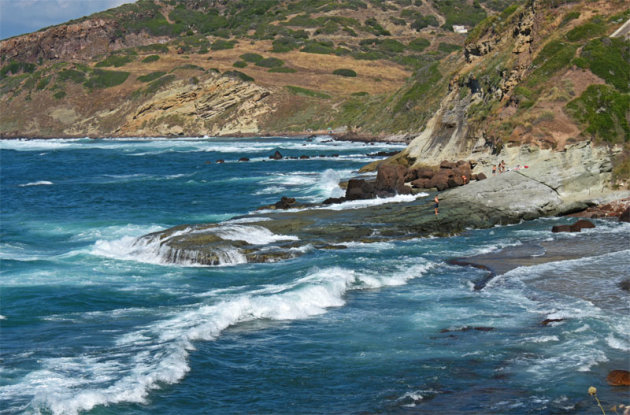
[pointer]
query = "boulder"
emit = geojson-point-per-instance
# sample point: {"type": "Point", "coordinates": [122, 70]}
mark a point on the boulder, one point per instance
{"type": "Point", "coordinates": [445, 164]}
{"type": "Point", "coordinates": [219, 161]}
{"type": "Point", "coordinates": [581, 224]}
{"type": "Point", "coordinates": [412, 174]}
{"type": "Point", "coordinates": [421, 183]}
{"type": "Point", "coordinates": [563, 228]}
{"type": "Point", "coordinates": [548, 321]}
{"type": "Point", "coordinates": [276, 156]}
{"type": "Point", "coordinates": [243, 159]}
{"type": "Point", "coordinates": [618, 378]}
{"type": "Point", "coordinates": [424, 173]}
{"type": "Point", "coordinates": [439, 181]}
{"type": "Point", "coordinates": [455, 181]}
{"type": "Point", "coordinates": [359, 189]}
{"type": "Point", "coordinates": [390, 179]}
{"type": "Point", "coordinates": [333, 200]}
{"type": "Point", "coordinates": [625, 216]}
{"type": "Point", "coordinates": [304, 157]}
{"type": "Point", "coordinates": [481, 176]}
{"type": "Point", "coordinates": [285, 203]}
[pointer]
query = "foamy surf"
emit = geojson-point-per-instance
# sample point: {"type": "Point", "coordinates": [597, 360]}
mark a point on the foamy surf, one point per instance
{"type": "Point", "coordinates": [144, 360]}
{"type": "Point", "coordinates": [38, 183]}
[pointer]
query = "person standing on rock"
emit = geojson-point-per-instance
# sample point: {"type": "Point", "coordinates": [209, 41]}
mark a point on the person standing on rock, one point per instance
{"type": "Point", "coordinates": [437, 204]}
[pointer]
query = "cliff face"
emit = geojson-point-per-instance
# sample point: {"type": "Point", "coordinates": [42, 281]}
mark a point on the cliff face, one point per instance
{"type": "Point", "coordinates": [524, 82]}
{"type": "Point", "coordinates": [219, 105]}
{"type": "Point", "coordinates": [78, 41]}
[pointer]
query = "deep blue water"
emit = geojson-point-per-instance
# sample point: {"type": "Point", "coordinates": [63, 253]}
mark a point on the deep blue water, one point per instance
{"type": "Point", "coordinates": [91, 324]}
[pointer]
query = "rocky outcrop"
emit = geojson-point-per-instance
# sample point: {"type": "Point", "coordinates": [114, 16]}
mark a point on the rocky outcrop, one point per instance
{"type": "Point", "coordinates": [219, 105]}
{"type": "Point", "coordinates": [618, 378]}
{"type": "Point", "coordinates": [81, 40]}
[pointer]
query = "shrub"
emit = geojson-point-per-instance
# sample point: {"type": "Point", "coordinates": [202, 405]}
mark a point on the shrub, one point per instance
{"type": "Point", "coordinates": [156, 85]}
{"type": "Point", "coordinates": [285, 44]}
{"type": "Point", "coordinates": [568, 17]}
{"type": "Point", "coordinates": [240, 64]}
{"type": "Point", "coordinates": [221, 44]}
{"type": "Point", "coordinates": [588, 30]}
{"type": "Point", "coordinates": [270, 63]}
{"type": "Point", "coordinates": [459, 12]}
{"type": "Point", "coordinates": [150, 58]}
{"type": "Point", "coordinates": [188, 66]}
{"type": "Point", "coordinates": [608, 58]}
{"type": "Point", "coordinates": [345, 72]}
{"type": "Point", "coordinates": [115, 60]}
{"type": "Point", "coordinates": [448, 47]}
{"type": "Point", "coordinates": [43, 83]}
{"type": "Point", "coordinates": [374, 26]}
{"type": "Point", "coordinates": [553, 57]}
{"type": "Point", "coordinates": [15, 67]}
{"type": "Point", "coordinates": [72, 75]}
{"type": "Point", "coordinates": [425, 21]}
{"type": "Point", "coordinates": [306, 92]}
{"type": "Point", "coordinates": [282, 69]}
{"type": "Point", "coordinates": [104, 79]}
{"type": "Point", "coordinates": [419, 44]}
{"type": "Point", "coordinates": [240, 75]}
{"type": "Point", "coordinates": [360, 94]}
{"type": "Point", "coordinates": [155, 47]}
{"type": "Point", "coordinates": [603, 111]}
{"type": "Point", "coordinates": [320, 47]}
{"type": "Point", "coordinates": [59, 94]}
{"type": "Point", "coordinates": [251, 57]}
{"type": "Point", "coordinates": [151, 76]}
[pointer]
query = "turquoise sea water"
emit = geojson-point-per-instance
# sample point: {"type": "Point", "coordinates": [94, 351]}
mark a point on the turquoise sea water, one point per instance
{"type": "Point", "coordinates": [92, 323]}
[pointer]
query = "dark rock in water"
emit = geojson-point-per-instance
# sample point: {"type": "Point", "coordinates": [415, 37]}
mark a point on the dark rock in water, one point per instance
{"type": "Point", "coordinates": [382, 153]}
{"type": "Point", "coordinates": [625, 216]}
{"type": "Point", "coordinates": [581, 224]}
{"type": "Point", "coordinates": [625, 285]}
{"type": "Point", "coordinates": [467, 328]}
{"type": "Point", "coordinates": [618, 378]}
{"type": "Point", "coordinates": [334, 155]}
{"type": "Point", "coordinates": [285, 203]}
{"type": "Point", "coordinates": [390, 179]}
{"type": "Point", "coordinates": [547, 321]}
{"type": "Point", "coordinates": [219, 161]}
{"type": "Point", "coordinates": [304, 157]}
{"type": "Point", "coordinates": [243, 159]}
{"type": "Point", "coordinates": [563, 228]}
{"type": "Point", "coordinates": [359, 189]}
{"type": "Point", "coordinates": [481, 176]}
{"type": "Point", "coordinates": [276, 156]}
{"type": "Point", "coordinates": [334, 200]}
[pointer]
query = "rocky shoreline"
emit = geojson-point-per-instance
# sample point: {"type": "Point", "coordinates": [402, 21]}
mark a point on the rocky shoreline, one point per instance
{"type": "Point", "coordinates": [550, 188]}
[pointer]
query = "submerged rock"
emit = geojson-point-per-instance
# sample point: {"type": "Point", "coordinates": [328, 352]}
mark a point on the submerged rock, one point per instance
{"type": "Point", "coordinates": [276, 156]}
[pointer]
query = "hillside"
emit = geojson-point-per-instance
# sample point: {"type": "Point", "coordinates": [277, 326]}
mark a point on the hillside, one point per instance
{"type": "Point", "coordinates": [541, 72]}
{"type": "Point", "coordinates": [319, 64]}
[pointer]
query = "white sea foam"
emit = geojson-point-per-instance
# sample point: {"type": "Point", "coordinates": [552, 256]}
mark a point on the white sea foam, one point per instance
{"type": "Point", "coordinates": [252, 234]}
{"type": "Point", "coordinates": [143, 360]}
{"type": "Point", "coordinates": [38, 183]}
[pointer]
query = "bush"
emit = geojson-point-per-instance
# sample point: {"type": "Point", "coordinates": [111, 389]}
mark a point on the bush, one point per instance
{"type": "Point", "coordinates": [59, 94]}
{"type": "Point", "coordinates": [240, 64]}
{"type": "Point", "coordinates": [240, 75]}
{"type": "Point", "coordinates": [320, 47]}
{"type": "Point", "coordinates": [115, 60]}
{"type": "Point", "coordinates": [101, 79]}
{"type": "Point", "coordinates": [608, 58]}
{"type": "Point", "coordinates": [603, 111]}
{"type": "Point", "coordinates": [425, 21]}
{"type": "Point", "coordinates": [552, 58]}
{"type": "Point", "coordinates": [72, 75]}
{"type": "Point", "coordinates": [568, 17]}
{"type": "Point", "coordinates": [15, 67]}
{"type": "Point", "coordinates": [282, 69]}
{"type": "Point", "coordinates": [345, 72]}
{"type": "Point", "coordinates": [374, 26]}
{"type": "Point", "coordinates": [306, 92]}
{"type": "Point", "coordinates": [588, 30]}
{"type": "Point", "coordinates": [156, 85]}
{"type": "Point", "coordinates": [419, 44]}
{"type": "Point", "coordinates": [459, 12]}
{"type": "Point", "coordinates": [155, 47]}
{"type": "Point", "coordinates": [251, 57]}
{"type": "Point", "coordinates": [448, 47]}
{"type": "Point", "coordinates": [151, 76]}
{"type": "Point", "coordinates": [150, 58]}
{"type": "Point", "coordinates": [270, 63]}
{"type": "Point", "coordinates": [285, 44]}
{"type": "Point", "coordinates": [221, 44]}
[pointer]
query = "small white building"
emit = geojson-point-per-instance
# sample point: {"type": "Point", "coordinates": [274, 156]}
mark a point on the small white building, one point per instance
{"type": "Point", "coordinates": [460, 29]}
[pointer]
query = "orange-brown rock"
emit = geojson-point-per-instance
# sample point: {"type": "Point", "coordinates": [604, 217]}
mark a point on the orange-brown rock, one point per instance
{"type": "Point", "coordinates": [618, 378]}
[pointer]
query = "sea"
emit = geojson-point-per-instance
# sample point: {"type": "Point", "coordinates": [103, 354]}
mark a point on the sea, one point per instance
{"type": "Point", "coordinates": [90, 323]}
